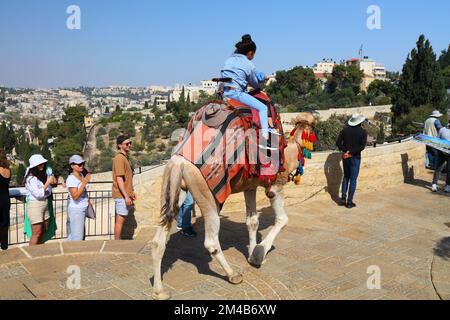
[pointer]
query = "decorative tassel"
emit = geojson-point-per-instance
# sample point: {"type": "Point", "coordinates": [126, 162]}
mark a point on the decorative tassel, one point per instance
{"type": "Point", "coordinates": [313, 138]}
{"type": "Point", "coordinates": [298, 180]}
{"type": "Point", "coordinates": [293, 132]}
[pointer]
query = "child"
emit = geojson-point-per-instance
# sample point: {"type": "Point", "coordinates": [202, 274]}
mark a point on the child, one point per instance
{"type": "Point", "coordinates": [243, 72]}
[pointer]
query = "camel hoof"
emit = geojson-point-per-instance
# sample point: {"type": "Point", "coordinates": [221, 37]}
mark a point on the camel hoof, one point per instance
{"type": "Point", "coordinates": [257, 257]}
{"type": "Point", "coordinates": [236, 279]}
{"type": "Point", "coordinates": [161, 296]}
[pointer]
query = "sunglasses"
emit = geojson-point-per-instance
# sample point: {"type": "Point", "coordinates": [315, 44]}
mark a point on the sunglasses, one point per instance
{"type": "Point", "coordinates": [78, 164]}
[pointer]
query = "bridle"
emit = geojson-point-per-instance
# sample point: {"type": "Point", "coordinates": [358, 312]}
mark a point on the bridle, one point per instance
{"type": "Point", "coordinates": [304, 149]}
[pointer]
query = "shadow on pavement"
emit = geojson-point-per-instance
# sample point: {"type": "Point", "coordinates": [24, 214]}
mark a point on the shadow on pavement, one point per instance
{"type": "Point", "coordinates": [442, 248]}
{"type": "Point", "coordinates": [130, 226]}
{"type": "Point", "coordinates": [333, 173]}
{"type": "Point", "coordinates": [191, 250]}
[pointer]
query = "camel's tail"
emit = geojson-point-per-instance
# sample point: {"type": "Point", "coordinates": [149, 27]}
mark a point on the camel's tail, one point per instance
{"type": "Point", "coordinates": [170, 192]}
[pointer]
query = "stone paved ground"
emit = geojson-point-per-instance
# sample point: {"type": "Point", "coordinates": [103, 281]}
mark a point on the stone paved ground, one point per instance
{"type": "Point", "coordinates": [324, 253]}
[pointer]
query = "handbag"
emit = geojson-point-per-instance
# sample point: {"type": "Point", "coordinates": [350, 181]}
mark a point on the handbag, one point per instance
{"type": "Point", "coordinates": [90, 214]}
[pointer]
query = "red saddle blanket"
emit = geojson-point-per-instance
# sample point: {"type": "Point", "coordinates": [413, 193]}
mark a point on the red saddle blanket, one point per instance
{"type": "Point", "coordinates": [222, 151]}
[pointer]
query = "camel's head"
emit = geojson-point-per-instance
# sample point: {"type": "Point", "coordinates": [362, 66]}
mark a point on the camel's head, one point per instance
{"type": "Point", "coordinates": [304, 123]}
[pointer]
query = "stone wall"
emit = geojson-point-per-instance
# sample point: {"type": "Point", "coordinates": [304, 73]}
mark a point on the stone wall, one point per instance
{"type": "Point", "coordinates": [382, 167]}
{"type": "Point", "coordinates": [367, 112]}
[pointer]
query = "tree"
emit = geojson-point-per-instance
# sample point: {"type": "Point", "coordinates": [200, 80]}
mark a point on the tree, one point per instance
{"type": "Point", "coordinates": [36, 130]}
{"type": "Point", "coordinates": [128, 128]}
{"type": "Point", "coordinates": [345, 77]}
{"type": "Point", "coordinates": [101, 131]}
{"type": "Point", "coordinates": [444, 59]}
{"type": "Point", "coordinates": [154, 107]}
{"type": "Point", "coordinates": [421, 82]}
{"type": "Point", "coordinates": [45, 151]}
{"type": "Point", "coordinates": [53, 128]}
{"type": "Point", "coordinates": [63, 150]}
{"type": "Point", "coordinates": [293, 84]}
{"type": "Point", "coordinates": [446, 76]}
{"type": "Point", "coordinates": [100, 143]}
{"type": "Point", "coordinates": [328, 132]}
{"type": "Point", "coordinates": [7, 137]}
{"type": "Point", "coordinates": [380, 86]}
{"type": "Point", "coordinates": [113, 133]}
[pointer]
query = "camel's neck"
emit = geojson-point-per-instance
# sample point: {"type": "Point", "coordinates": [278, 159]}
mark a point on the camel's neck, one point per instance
{"type": "Point", "coordinates": [290, 158]}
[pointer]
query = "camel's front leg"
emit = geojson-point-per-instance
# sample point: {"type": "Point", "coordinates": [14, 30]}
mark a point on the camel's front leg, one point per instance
{"type": "Point", "coordinates": [281, 220]}
{"type": "Point", "coordinates": [252, 219]}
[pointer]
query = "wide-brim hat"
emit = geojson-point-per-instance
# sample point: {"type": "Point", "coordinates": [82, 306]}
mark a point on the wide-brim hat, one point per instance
{"type": "Point", "coordinates": [436, 114]}
{"type": "Point", "coordinates": [356, 120]}
{"type": "Point", "coordinates": [36, 160]}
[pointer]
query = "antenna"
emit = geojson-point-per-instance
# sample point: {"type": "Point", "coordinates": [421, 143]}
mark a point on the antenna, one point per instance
{"type": "Point", "coordinates": [361, 52]}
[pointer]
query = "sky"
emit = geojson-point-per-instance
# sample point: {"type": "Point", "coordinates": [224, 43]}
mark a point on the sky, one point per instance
{"type": "Point", "coordinates": [165, 42]}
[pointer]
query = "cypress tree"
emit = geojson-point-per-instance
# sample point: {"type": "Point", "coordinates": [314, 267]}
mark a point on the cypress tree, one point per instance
{"type": "Point", "coordinates": [421, 82]}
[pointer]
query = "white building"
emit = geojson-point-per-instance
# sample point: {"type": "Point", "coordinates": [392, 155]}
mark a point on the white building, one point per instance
{"type": "Point", "coordinates": [324, 67]}
{"type": "Point", "coordinates": [372, 71]}
{"type": "Point", "coordinates": [207, 86]}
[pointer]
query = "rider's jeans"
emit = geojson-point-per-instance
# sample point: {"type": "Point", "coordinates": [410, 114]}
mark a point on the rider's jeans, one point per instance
{"type": "Point", "coordinates": [252, 102]}
{"type": "Point", "coordinates": [185, 213]}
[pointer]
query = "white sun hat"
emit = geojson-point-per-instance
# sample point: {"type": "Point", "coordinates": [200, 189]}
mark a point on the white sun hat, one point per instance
{"type": "Point", "coordinates": [436, 114]}
{"type": "Point", "coordinates": [355, 120]}
{"type": "Point", "coordinates": [36, 160]}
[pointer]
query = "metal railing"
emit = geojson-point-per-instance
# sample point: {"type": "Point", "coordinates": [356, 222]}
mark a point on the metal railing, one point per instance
{"type": "Point", "coordinates": [102, 226]}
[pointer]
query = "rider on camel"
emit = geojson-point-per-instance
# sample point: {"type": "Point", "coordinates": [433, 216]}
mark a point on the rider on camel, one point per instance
{"type": "Point", "coordinates": [242, 72]}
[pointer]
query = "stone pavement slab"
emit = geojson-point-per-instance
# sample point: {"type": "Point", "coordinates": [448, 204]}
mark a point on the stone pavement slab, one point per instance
{"type": "Point", "coordinates": [324, 253]}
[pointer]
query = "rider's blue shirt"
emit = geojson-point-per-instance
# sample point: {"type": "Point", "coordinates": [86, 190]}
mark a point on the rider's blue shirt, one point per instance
{"type": "Point", "coordinates": [243, 72]}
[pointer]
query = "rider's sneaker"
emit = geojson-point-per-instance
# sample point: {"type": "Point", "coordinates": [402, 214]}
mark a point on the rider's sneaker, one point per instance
{"type": "Point", "coordinates": [434, 188]}
{"type": "Point", "coordinates": [189, 232]}
{"type": "Point", "coordinates": [274, 131]}
{"type": "Point", "coordinates": [267, 147]}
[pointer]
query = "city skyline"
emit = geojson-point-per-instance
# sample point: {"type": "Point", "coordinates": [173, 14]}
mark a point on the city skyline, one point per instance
{"type": "Point", "coordinates": [138, 43]}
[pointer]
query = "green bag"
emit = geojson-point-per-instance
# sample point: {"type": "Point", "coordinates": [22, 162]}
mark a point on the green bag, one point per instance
{"type": "Point", "coordinates": [52, 227]}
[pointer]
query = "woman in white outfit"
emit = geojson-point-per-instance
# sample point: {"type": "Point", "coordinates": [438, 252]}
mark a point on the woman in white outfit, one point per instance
{"type": "Point", "coordinates": [39, 188]}
{"type": "Point", "coordinates": [78, 198]}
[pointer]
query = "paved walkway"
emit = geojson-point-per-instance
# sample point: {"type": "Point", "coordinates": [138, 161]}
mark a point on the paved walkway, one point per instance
{"type": "Point", "coordinates": [324, 253]}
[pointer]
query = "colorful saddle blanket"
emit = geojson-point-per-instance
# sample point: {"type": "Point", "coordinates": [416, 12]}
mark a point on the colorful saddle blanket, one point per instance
{"type": "Point", "coordinates": [222, 141]}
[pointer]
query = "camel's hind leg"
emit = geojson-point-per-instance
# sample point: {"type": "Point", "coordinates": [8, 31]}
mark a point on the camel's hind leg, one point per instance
{"type": "Point", "coordinates": [210, 211]}
{"type": "Point", "coordinates": [212, 244]}
{"type": "Point", "coordinates": [158, 248]}
{"type": "Point", "coordinates": [252, 219]}
{"type": "Point", "coordinates": [281, 219]}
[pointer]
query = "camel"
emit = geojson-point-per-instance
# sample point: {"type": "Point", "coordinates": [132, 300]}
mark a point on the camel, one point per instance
{"type": "Point", "coordinates": [181, 175]}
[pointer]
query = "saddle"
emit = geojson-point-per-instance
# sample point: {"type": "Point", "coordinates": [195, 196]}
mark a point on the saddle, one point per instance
{"type": "Point", "coordinates": [220, 142]}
